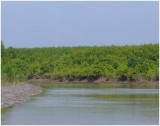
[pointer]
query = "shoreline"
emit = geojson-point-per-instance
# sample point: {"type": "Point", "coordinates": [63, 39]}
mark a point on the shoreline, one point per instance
{"type": "Point", "coordinates": [17, 93]}
{"type": "Point", "coordinates": [98, 81]}
{"type": "Point", "coordinates": [101, 84]}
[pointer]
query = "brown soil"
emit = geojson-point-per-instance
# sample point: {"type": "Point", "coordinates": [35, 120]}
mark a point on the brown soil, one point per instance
{"type": "Point", "coordinates": [98, 81]}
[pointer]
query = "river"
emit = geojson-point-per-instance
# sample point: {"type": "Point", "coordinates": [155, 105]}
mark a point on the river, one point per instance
{"type": "Point", "coordinates": [86, 105]}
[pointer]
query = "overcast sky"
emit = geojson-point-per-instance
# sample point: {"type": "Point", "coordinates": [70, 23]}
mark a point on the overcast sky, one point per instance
{"type": "Point", "coordinates": [38, 24]}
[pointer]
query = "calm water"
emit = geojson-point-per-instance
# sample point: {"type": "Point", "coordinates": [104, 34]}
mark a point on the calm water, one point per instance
{"type": "Point", "coordinates": [79, 105]}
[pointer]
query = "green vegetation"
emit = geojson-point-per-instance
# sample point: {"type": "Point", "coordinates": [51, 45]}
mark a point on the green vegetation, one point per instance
{"type": "Point", "coordinates": [123, 63]}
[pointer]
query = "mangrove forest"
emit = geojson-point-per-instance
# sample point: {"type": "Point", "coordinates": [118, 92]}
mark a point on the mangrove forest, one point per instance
{"type": "Point", "coordinates": [121, 63]}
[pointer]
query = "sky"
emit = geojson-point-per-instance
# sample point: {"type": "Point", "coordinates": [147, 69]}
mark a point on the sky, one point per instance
{"type": "Point", "coordinates": [44, 24]}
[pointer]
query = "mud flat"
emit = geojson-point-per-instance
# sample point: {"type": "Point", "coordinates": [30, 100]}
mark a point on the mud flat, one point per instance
{"type": "Point", "coordinates": [15, 94]}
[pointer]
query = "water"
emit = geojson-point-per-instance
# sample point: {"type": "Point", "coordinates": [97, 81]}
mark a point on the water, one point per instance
{"type": "Point", "coordinates": [85, 106]}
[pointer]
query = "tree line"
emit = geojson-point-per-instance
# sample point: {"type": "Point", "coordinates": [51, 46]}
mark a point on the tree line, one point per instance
{"type": "Point", "coordinates": [122, 63]}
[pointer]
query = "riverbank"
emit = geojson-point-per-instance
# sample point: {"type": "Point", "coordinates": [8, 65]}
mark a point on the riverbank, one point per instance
{"type": "Point", "coordinates": [17, 93]}
{"type": "Point", "coordinates": [97, 81]}
{"type": "Point", "coordinates": [46, 83]}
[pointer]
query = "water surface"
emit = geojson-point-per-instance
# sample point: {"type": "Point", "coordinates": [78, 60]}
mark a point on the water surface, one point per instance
{"type": "Point", "coordinates": [86, 105]}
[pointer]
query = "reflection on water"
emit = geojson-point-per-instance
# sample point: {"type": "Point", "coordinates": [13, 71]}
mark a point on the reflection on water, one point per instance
{"type": "Point", "coordinates": [87, 106]}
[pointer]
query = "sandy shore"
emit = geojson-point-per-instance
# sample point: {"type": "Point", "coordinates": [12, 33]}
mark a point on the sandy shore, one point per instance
{"type": "Point", "coordinates": [15, 94]}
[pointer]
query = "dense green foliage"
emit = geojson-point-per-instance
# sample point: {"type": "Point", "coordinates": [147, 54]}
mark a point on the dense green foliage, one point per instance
{"type": "Point", "coordinates": [125, 63]}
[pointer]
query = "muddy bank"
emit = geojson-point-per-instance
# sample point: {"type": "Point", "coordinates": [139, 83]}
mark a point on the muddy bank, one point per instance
{"type": "Point", "coordinates": [48, 83]}
{"type": "Point", "coordinates": [15, 94]}
{"type": "Point", "coordinates": [97, 81]}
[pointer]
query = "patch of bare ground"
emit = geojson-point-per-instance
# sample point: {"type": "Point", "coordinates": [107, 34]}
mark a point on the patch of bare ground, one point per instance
{"type": "Point", "coordinates": [17, 93]}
